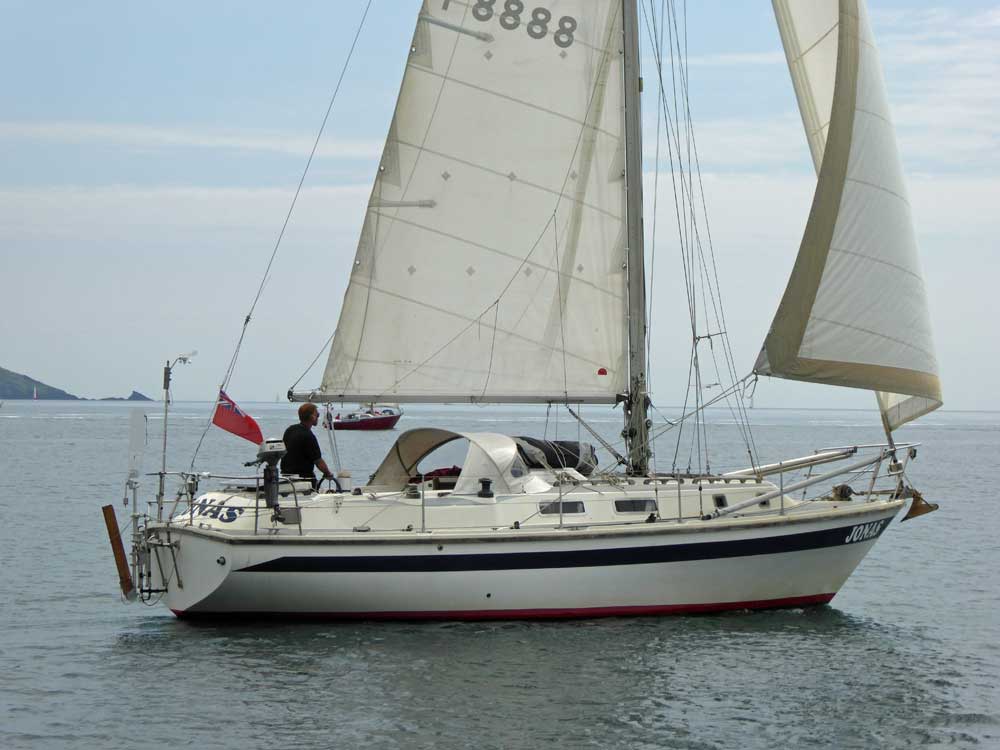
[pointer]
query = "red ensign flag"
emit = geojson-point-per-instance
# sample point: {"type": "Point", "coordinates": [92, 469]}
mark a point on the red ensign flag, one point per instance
{"type": "Point", "coordinates": [232, 419]}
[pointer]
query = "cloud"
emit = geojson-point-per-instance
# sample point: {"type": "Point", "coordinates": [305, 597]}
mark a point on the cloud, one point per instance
{"type": "Point", "coordinates": [137, 273]}
{"type": "Point", "coordinates": [745, 143]}
{"type": "Point", "coordinates": [147, 270]}
{"type": "Point", "coordinates": [738, 59]}
{"type": "Point", "coordinates": [115, 264]}
{"type": "Point", "coordinates": [757, 221]}
{"type": "Point", "coordinates": [942, 67]}
{"type": "Point", "coordinates": [126, 214]}
{"type": "Point", "coordinates": [147, 137]}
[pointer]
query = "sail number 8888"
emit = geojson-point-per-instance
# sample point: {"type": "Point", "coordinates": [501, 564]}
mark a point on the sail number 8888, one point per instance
{"type": "Point", "coordinates": [538, 24]}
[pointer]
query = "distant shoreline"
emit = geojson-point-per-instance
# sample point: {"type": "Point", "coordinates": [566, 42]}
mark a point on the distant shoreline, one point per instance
{"type": "Point", "coordinates": [15, 386]}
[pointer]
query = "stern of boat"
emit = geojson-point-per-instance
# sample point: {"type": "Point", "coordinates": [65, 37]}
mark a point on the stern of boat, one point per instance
{"type": "Point", "coordinates": [181, 569]}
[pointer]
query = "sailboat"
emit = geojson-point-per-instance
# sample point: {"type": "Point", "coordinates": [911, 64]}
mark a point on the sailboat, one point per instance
{"type": "Point", "coordinates": [502, 261]}
{"type": "Point", "coordinates": [367, 417]}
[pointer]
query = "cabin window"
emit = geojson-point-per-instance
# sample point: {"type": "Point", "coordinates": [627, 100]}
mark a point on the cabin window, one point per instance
{"type": "Point", "coordinates": [568, 507]}
{"type": "Point", "coordinates": [636, 505]}
{"type": "Point", "coordinates": [719, 500]}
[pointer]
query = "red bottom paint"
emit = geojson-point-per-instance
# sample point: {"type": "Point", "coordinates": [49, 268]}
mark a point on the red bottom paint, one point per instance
{"type": "Point", "coordinates": [522, 614]}
{"type": "Point", "coordinates": [380, 422]}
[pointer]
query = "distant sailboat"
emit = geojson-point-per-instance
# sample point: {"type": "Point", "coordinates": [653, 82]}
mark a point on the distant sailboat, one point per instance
{"type": "Point", "coordinates": [35, 395]}
{"type": "Point", "coordinates": [368, 417]}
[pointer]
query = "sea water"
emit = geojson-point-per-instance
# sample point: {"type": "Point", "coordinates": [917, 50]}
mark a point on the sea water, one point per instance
{"type": "Point", "coordinates": [907, 655]}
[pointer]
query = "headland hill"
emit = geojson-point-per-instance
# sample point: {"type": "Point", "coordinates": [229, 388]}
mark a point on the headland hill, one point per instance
{"type": "Point", "coordinates": [14, 385]}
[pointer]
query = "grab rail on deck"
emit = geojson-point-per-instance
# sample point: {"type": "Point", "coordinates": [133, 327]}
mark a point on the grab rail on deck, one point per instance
{"type": "Point", "coordinates": [636, 485]}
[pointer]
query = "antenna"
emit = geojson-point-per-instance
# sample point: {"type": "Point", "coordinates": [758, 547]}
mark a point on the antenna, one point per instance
{"type": "Point", "coordinates": [167, 372]}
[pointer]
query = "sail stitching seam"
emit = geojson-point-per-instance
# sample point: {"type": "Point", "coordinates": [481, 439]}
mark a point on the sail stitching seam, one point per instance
{"type": "Point", "coordinates": [466, 319]}
{"type": "Point", "coordinates": [817, 42]}
{"type": "Point", "coordinates": [501, 253]}
{"type": "Point", "coordinates": [514, 99]}
{"type": "Point", "coordinates": [506, 176]}
{"type": "Point", "coordinates": [873, 186]}
{"type": "Point", "coordinates": [856, 109]}
{"type": "Point", "coordinates": [898, 267]}
{"type": "Point", "coordinates": [869, 331]}
{"type": "Point", "coordinates": [867, 43]}
{"type": "Point", "coordinates": [819, 129]}
{"type": "Point", "coordinates": [881, 117]}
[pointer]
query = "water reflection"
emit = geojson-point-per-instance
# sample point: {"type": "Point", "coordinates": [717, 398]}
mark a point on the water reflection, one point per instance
{"type": "Point", "coordinates": [811, 676]}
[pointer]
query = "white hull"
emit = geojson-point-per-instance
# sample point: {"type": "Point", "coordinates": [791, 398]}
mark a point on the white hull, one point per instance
{"type": "Point", "coordinates": [659, 568]}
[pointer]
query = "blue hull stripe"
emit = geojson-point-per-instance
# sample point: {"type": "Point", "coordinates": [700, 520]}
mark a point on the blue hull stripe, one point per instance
{"type": "Point", "coordinates": [441, 561]}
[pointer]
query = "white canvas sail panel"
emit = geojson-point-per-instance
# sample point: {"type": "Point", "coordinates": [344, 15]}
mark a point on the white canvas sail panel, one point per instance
{"type": "Point", "coordinates": [854, 312]}
{"type": "Point", "coordinates": [490, 265]}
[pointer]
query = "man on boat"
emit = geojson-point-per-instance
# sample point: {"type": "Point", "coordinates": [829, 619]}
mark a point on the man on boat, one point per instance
{"type": "Point", "coordinates": [302, 447]}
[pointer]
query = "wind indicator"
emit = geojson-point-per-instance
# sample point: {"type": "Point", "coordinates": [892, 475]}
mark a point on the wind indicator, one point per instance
{"type": "Point", "coordinates": [137, 438]}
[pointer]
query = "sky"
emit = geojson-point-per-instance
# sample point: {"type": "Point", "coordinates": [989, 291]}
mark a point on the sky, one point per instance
{"type": "Point", "coordinates": [150, 152]}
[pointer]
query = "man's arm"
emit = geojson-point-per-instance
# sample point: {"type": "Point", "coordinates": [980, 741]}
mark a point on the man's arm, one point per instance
{"type": "Point", "coordinates": [317, 457]}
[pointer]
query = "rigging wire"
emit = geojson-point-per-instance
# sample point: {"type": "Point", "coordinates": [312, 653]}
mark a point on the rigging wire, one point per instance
{"type": "Point", "coordinates": [676, 69]}
{"type": "Point", "coordinates": [562, 307]}
{"type": "Point", "coordinates": [714, 289]}
{"type": "Point", "coordinates": [314, 359]}
{"type": "Point", "coordinates": [493, 345]}
{"type": "Point", "coordinates": [700, 272]}
{"type": "Point", "coordinates": [676, 173]}
{"type": "Point", "coordinates": [676, 167]}
{"type": "Point", "coordinates": [742, 419]}
{"type": "Point", "coordinates": [732, 389]}
{"type": "Point", "coordinates": [658, 34]}
{"type": "Point", "coordinates": [284, 226]}
{"type": "Point", "coordinates": [746, 382]}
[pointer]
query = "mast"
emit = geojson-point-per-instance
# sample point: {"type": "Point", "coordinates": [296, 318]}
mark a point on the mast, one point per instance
{"type": "Point", "coordinates": [636, 428]}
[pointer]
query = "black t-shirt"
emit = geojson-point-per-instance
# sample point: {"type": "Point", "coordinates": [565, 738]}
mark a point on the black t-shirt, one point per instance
{"type": "Point", "coordinates": [302, 451]}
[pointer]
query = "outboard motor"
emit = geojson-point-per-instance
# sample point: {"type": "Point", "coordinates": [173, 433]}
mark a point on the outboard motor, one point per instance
{"type": "Point", "coordinates": [269, 454]}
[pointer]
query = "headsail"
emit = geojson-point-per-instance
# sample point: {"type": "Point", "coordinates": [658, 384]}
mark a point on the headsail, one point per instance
{"type": "Point", "coordinates": [854, 312]}
{"type": "Point", "coordinates": [490, 265]}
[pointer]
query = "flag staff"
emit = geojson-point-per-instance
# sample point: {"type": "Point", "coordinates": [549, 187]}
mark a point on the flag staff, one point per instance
{"type": "Point", "coordinates": [167, 373]}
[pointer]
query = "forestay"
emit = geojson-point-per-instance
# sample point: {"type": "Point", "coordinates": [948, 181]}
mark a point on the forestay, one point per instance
{"type": "Point", "coordinates": [854, 312]}
{"type": "Point", "coordinates": [490, 265]}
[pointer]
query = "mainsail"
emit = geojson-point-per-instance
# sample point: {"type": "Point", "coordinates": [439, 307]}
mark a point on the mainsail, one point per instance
{"type": "Point", "coordinates": [854, 312]}
{"type": "Point", "coordinates": [491, 264]}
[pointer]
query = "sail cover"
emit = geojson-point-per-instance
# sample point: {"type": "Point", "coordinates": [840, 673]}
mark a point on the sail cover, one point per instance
{"type": "Point", "coordinates": [490, 267]}
{"type": "Point", "coordinates": [854, 312]}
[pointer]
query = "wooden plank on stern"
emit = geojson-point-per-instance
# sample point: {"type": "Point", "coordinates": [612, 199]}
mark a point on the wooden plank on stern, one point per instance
{"type": "Point", "coordinates": [118, 549]}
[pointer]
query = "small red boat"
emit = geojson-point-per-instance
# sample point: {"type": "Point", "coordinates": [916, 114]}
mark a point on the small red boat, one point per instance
{"type": "Point", "coordinates": [369, 418]}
